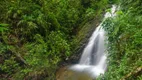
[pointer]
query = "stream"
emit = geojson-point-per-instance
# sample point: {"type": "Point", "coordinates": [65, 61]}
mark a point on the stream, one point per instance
{"type": "Point", "coordinates": [93, 59]}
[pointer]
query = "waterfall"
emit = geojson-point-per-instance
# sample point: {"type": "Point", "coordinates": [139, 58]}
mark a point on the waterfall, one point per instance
{"type": "Point", "coordinates": [93, 59]}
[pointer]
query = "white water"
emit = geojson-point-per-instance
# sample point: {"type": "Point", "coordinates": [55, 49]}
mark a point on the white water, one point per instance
{"type": "Point", "coordinates": [93, 59]}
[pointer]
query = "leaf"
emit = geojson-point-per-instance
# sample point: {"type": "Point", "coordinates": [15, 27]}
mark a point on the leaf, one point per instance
{"type": "Point", "coordinates": [3, 27]}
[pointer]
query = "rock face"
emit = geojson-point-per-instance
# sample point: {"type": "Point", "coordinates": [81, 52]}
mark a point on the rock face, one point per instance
{"type": "Point", "coordinates": [83, 37]}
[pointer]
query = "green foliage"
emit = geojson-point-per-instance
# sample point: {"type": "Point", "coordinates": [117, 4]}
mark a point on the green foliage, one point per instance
{"type": "Point", "coordinates": [9, 66]}
{"type": "Point", "coordinates": [35, 35]}
{"type": "Point", "coordinates": [3, 27]}
{"type": "Point", "coordinates": [125, 42]}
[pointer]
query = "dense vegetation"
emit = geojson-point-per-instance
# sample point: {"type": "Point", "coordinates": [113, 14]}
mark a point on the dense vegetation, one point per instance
{"type": "Point", "coordinates": [125, 42]}
{"type": "Point", "coordinates": [35, 35]}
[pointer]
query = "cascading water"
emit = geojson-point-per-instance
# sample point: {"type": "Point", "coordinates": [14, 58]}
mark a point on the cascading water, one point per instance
{"type": "Point", "coordinates": [93, 59]}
